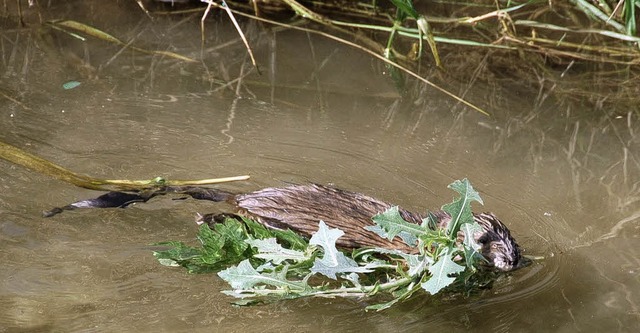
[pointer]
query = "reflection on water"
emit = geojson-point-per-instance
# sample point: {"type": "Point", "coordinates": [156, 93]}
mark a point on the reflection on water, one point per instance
{"type": "Point", "coordinates": [565, 182]}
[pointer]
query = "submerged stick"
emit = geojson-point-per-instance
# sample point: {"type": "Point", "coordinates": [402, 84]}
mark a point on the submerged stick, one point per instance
{"type": "Point", "coordinates": [18, 156]}
{"type": "Point", "coordinates": [64, 25]}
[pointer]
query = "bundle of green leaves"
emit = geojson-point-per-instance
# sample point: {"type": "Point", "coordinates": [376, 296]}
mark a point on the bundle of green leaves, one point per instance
{"type": "Point", "coordinates": [262, 264]}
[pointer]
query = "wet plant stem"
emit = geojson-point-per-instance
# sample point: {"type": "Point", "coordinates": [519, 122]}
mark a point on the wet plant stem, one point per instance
{"type": "Point", "coordinates": [18, 156]}
{"type": "Point", "coordinates": [342, 292]}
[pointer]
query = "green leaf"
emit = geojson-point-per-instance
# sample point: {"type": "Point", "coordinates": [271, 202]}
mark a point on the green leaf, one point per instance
{"type": "Point", "coordinates": [254, 228]}
{"type": "Point", "coordinates": [219, 249]}
{"type": "Point", "coordinates": [471, 247]}
{"type": "Point", "coordinates": [470, 231]}
{"type": "Point", "coordinates": [406, 7]}
{"type": "Point", "coordinates": [210, 241]}
{"type": "Point", "coordinates": [225, 245]}
{"type": "Point", "coordinates": [440, 274]}
{"type": "Point", "coordinates": [630, 16]}
{"type": "Point", "coordinates": [232, 233]}
{"type": "Point", "coordinates": [270, 250]}
{"type": "Point", "coordinates": [430, 222]}
{"type": "Point", "coordinates": [460, 209]}
{"type": "Point", "coordinates": [333, 261]}
{"type": "Point", "coordinates": [400, 295]}
{"type": "Point", "coordinates": [244, 276]}
{"type": "Point", "coordinates": [391, 224]}
{"type": "Point", "coordinates": [290, 239]}
{"type": "Point", "coordinates": [418, 264]}
{"type": "Point", "coordinates": [70, 85]}
{"type": "Point", "coordinates": [179, 252]}
{"type": "Point", "coordinates": [425, 30]}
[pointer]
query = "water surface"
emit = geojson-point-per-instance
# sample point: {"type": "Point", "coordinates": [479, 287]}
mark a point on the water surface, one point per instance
{"type": "Point", "coordinates": [565, 181]}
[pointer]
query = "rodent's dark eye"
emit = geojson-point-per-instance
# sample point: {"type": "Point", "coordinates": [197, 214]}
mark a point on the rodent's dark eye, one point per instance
{"type": "Point", "coordinates": [494, 246]}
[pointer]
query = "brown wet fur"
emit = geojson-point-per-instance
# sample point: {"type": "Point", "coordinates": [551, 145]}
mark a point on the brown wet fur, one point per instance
{"type": "Point", "coordinates": [301, 207]}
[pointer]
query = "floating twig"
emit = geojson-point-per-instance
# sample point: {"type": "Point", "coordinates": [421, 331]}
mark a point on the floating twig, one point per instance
{"type": "Point", "coordinates": [38, 164]}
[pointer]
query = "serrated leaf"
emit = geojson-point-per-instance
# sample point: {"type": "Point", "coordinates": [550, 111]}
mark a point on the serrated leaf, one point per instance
{"type": "Point", "coordinates": [417, 264]}
{"type": "Point", "coordinates": [470, 230]}
{"type": "Point", "coordinates": [210, 240]}
{"type": "Point", "coordinates": [405, 236]}
{"type": "Point", "coordinates": [256, 229]}
{"type": "Point", "coordinates": [326, 238]}
{"type": "Point", "coordinates": [460, 208]}
{"type": "Point", "coordinates": [333, 261]}
{"type": "Point", "coordinates": [287, 238]}
{"type": "Point", "coordinates": [291, 239]}
{"type": "Point", "coordinates": [270, 250]}
{"type": "Point", "coordinates": [440, 272]}
{"type": "Point", "coordinates": [267, 266]}
{"type": "Point", "coordinates": [378, 231]}
{"type": "Point", "coordinates": [391, 224]}
{"type": "Point", "coordinates": [471, 247]}
{"type": "Point", "coordinates": [464, 188]}
{"type": "Point", "coordinates": [244, 276]}
{"type": "Point", "coordinates": [232, 234]}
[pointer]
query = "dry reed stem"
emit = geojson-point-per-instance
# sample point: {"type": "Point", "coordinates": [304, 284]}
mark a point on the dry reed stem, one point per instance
{"type": "Point", "coordinates": [372, 53]}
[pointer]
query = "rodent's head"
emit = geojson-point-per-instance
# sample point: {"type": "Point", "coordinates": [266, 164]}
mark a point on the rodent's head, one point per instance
{"type": "Point", "coordinates": [497, 245]}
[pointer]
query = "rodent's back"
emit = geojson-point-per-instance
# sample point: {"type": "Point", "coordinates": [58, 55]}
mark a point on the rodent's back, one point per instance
{"type": "Point", "coordinates": [301, 207]}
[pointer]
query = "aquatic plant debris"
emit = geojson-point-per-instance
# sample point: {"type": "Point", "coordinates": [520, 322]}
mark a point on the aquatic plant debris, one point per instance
{"type": "Point", "coordinates": [70, 85]}
{"type": "Point", "coordinates": [264, 265]}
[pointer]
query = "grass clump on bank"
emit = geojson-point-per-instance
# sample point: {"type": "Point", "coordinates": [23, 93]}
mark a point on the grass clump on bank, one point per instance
{"type": "Point", "coordinates": [432, 42]}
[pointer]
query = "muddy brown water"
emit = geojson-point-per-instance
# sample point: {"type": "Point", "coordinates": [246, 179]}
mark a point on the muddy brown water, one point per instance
{"type": "Point", "coordinates": [565, 182]}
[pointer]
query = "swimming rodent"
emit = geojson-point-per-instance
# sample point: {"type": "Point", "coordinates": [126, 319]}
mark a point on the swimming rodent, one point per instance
{"type": "Point", "coordinates": [301, 207]}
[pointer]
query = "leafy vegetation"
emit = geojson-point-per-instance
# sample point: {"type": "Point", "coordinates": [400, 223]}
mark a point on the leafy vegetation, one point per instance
{"type": "Point", "coordinates": [261, 264]}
